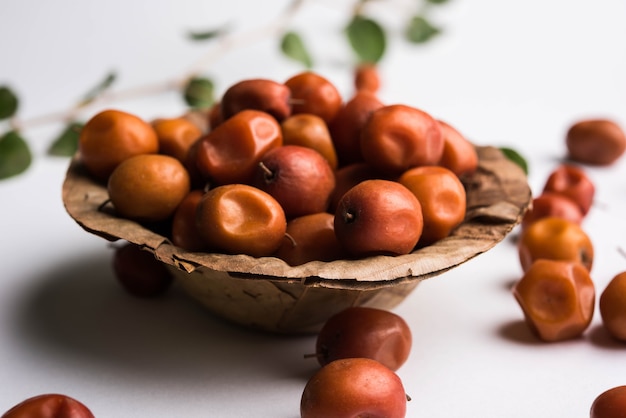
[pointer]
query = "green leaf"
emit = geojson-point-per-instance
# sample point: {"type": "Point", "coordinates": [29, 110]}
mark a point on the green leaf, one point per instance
{"type": "Point", "coordinates": [8, 102]}
{"type": "Point", "coordinates": [99, 88]}
{"type": "Point", "coordinates": [437, 1]}
{"type": "Point", "coordinates": [293, 47]}
{"type": "Point", "coordinates": [15, 156]}
{"type": "Point", "coordinates": [420, 30]}
{"type": "Point", "coordinates": [66, 144]}
{"type": "Point", "coordinates": [199, 93]}
{"type": "Point", "coordinates": [367, 39]}
{"type": "Point", "coordinates": [516, 157]}
{"type": "Point", "coordinates": [206, 34]}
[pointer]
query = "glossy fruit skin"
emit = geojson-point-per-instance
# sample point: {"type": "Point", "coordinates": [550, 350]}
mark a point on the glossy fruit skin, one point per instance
{"type": "Point", "coordinates": [231, 152]}
{"type": "Point", "coordinates": [442, 197]}
{"type": "Point", "coordinates": [572, 181]}
{"type": "Point", "coordinates": [354, 387]}
{"type": "Point", "coordinates": [148, 188]}
{"type": "Point", "coordinates": [299, 178]}
{"type": "Point", "coordinates": [184, 230]}
{"type": "Point", "coordinates": [310, 131]}
{"type": "Point", "coordinates": [346, 126]}
{"type": "Point", "coordinates": [555, 239]}
{"type": "Point", "coordinates": [557, 298]}
{"type": "Point", "coordinates": [176, 136]}
{"type": "Point", "coordinates": [398, 137]}
{"type": "Point", "coordinates": [378, 217]}
{"type": "Point", "coordinates": [50, 405]}
{"type": "Point", "coordinates": [312, 93]}
{"type": "Point", "coordinates": [112, 136]}
{"type": "Point", "coordinates": [365, 332]}
{"type": "Point", "coordinates": [610, 404]}
{"type": "Point", "coordinates": [310, 238]}
{"type": "Point", "coordinates": [214, 116]}
{"type": "Point", "coordinates": [241, 219]}
{"type": "Point", "coordinates": [139, 272]}
{"type": "Point", "coordinates": [595, 142]}
{"type": "Point", "coordinates": [459, 155]}
{"type": "Point", "coordinates": [258, 94]}
{"type": "Point", "coordinates": [346, 178]}
{"type": "Point", "coordinates": [549, 204]}
{"type": "Point", "coordinates": [613, 307]}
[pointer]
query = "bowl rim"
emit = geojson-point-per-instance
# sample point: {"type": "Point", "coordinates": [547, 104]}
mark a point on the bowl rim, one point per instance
{"type": "Point", "coordinates": [498, 195]}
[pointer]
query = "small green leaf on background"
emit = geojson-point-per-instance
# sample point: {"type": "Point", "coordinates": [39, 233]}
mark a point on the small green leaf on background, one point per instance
{"type": "Point", "coordinates": [516, 157]}
{"type": "Point", "coordinates": [8, 102]}
{"type": "Point", "coordinates": [99, 88]}
{"type": "Point", "coordinates": [206, 34]}
{"type": "Point", "coordinates": [437, 1]}
{"type": "Point", "coordinates": [420, 30]}
{"type": "Point", "coordinates": [15, 156]}
{"type": "Point", "coordinates": [367, 38]}
{"type": "Point", "coordinates": [293, 47]}
{"type": "Point", "coordinates": [66, 144]}
{"type": "Point", "coordinates": [199, 93]}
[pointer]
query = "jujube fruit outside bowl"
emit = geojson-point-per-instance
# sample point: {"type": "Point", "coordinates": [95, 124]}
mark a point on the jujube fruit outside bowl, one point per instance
{"type": "Point", "coordinates": [268, 294]}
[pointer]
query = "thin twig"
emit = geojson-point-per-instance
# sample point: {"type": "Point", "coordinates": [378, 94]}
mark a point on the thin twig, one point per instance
{"type": "Point", "coordinates": [226, 43]}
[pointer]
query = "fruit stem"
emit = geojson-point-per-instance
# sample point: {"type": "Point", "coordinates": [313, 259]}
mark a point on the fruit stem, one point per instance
{"type": "Point", "coordinates": [268, 174]}
{"type": "Point", "coordinates": [349, 217]}
{"type": "Point", "coordinates": [293, 241]}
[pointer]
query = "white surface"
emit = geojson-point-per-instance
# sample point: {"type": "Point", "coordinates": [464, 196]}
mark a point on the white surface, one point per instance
{"type": "Point", "coordinates": [504, 73]}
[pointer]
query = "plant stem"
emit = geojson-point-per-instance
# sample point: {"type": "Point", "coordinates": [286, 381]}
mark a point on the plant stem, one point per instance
{"type": "Point", "coordinates": [226, 43]}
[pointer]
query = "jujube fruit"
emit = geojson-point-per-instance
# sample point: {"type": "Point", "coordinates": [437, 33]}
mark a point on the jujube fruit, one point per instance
{"type": "Point", "coordinates": [345, 128]}
{"type": "Point", "coordinates": [241, 219]}
{"type": "Point", "coordinates": [231, 152]}
{"type": "Point", "coordinates": [378, 217]}
{"type": "Point", "coordinates": [258, 94]}
{"type": "Point", "coordinates": [442, 198]}
{"type": "Point", "coordinates": [572, 181]}
{"type": "Point", "coordinates": [149, 187]}
{"type": "Point", "coordinates": [595, 141]}
{"type": "Point", "coordinates": [549, 204]}
{"type": "Point", "coordinates": [398, 137]}
{"type": "Point", "coordinates": [555, 239]}
{"type": "Point", "coordinates": [310, 238]}
{"type": "Point", "coordinates": [367, 78]}
{"type": "Point", "coordinates": [299, 178]}
{"type": "Point", "coordinates": [49, 405]}
{"type": "Point", "coordinates": [610, 404]}
{"type": "Point", "coordinates": [459, 154]}
{"type": "Point", "coordinates": [312, 93]}
{"type": "Point", "coordinates": [372, 333]}
{"type": "Point", "coordinates": [557, 299]}
{"type": "Point", "coordinates": [354, 387]}
{"type": "Point", "coordinates": [346, 178]}
{"type": "Point", "coordinates": [176, 136]}
{"type": "Point", "coordinates": [184, 230]}
{"type": "Point", "coordinates": [139, 272]}
{"type": "Point", "coordinates": [310, 131]}
{"type": "Point", "coordinates": [112, 136]}
{"type": "Point", "coordinates": [613, 307]}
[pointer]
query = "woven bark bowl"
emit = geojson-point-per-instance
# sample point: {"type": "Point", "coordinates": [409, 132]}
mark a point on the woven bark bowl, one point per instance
{"type": "Point", "coordinates": [266, 293]}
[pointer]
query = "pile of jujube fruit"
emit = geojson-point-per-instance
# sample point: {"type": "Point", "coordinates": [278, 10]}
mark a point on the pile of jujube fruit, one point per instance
{"type": "Point", "coordinates": [359, 350]}
{"type": "Point", "coordinates": [287, 169]}
{"type": "Point", "coordinates": [557, 293]}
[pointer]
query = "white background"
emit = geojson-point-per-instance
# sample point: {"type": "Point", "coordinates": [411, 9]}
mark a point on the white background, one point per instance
{"type": "Point", "coordinates": [504, 73]}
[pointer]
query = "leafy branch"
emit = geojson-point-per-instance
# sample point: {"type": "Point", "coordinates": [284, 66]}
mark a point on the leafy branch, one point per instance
{"type": "Point", "coordinates": [366, 36]}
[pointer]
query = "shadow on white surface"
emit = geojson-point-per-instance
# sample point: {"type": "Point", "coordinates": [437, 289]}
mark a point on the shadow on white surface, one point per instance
{"type": "Point", "coordinates": [78, 314]}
